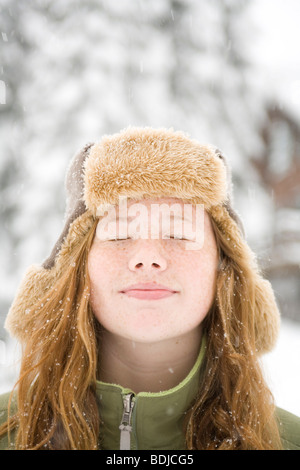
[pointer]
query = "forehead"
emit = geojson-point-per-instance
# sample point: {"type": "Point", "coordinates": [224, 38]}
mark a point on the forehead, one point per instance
{"type": "Point", "coordinates": [156, 200]}
{"type": "Point", "coordinates": [175, 208]}
{"type": "Point", "coordinates": [172, 206]}
{"type": "Point", "coordinates": [171, 202]}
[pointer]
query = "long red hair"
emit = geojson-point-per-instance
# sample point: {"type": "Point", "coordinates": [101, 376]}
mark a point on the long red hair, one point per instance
{"type": "Point", "coordinates": [56, 389]}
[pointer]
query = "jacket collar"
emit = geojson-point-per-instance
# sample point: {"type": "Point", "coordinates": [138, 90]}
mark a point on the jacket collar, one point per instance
{"type": "Point", "coordinates": [156, 419]}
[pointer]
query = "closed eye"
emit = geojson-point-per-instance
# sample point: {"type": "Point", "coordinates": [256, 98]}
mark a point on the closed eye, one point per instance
{"type": "Point", "coordinates": [118, 239]}
{"type": "Point", "coordinates": [175, 238]}
{"type": "Point", "coordinates": [129, 238]}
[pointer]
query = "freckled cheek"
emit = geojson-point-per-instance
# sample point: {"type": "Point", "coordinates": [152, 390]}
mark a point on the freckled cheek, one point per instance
{"type": "Point", "coordinates": [103, 268]}
{"type": "Point", "coordinates": [200, 272]}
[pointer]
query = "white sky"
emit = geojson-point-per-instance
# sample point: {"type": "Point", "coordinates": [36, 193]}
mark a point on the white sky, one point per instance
{"type": "Point", "coordinates": [276, 48]}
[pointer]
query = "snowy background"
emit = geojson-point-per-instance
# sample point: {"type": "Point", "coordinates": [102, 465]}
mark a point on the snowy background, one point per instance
{"type": "Point", "coordinates": [71, 71]}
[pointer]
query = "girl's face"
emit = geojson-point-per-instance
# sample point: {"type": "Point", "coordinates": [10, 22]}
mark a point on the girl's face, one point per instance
{"type": "Point", "coordinates": [190, 274]}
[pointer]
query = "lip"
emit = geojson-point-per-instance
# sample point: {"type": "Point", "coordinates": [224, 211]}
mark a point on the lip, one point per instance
{"type": "Point", "coordinates": [148, 291]}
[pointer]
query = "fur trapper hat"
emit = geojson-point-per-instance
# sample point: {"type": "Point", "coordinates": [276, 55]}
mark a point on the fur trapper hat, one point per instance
{"type": "Point", "coordinates": [140, 163]}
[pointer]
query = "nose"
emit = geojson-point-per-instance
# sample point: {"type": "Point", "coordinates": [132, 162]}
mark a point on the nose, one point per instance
{"type": "Point", "coordinates": [146, 257]}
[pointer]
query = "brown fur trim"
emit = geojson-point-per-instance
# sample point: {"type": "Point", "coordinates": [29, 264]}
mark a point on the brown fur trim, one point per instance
{"type": "Point", "coordinates": [267, 317]}
{"type": "Point", "coordinates": [20, 318]}
{"type": "Point", "coordinates": [155, 162]}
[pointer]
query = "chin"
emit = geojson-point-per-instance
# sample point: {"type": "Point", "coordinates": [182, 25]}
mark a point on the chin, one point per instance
{"type": "Point", "coordinates": [150, 338]}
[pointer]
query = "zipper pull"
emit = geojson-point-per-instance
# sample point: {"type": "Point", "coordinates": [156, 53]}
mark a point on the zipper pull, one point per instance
{"type": "Point", "coordinates": [125, 426]}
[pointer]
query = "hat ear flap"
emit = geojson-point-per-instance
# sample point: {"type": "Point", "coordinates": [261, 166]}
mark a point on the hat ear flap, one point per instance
{"type": "Point", "coordinates": [24, 310]}
{"type": "Point", "coordinates": [38, 279]}
{"type": "Point", "coordinates": [74, 184]}
{"type": "Point", "coordinates": [267, 317]}
{"type": "Point", "coordinates": [74, 181]}
{"type": "Point", "coordinates": [263, 316]}
{"type": "Point", "coordinates": [20, 319]}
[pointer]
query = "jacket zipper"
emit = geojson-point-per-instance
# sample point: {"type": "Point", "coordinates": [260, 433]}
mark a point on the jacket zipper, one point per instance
{"type": "Point", "coordinates": [125, 426]}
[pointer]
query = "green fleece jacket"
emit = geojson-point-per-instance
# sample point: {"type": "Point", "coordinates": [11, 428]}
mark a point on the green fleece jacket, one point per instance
{"type": "Point", "coordinates": [153, 421]}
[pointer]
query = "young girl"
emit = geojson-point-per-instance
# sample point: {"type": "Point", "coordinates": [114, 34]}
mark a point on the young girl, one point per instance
{"type": "Point", "coordinates": [144, 327]}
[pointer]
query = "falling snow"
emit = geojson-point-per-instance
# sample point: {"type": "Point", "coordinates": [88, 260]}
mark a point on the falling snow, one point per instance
{"type": "Point", "coordinates": [54, 99]}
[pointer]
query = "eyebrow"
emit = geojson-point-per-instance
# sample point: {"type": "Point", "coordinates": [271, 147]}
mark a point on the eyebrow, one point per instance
{"type": "Point", "coordinates": [131, 217]}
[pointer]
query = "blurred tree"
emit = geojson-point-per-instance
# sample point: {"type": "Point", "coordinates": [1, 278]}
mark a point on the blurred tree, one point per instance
{"type": "Point", "coordinates": [13, 52]}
